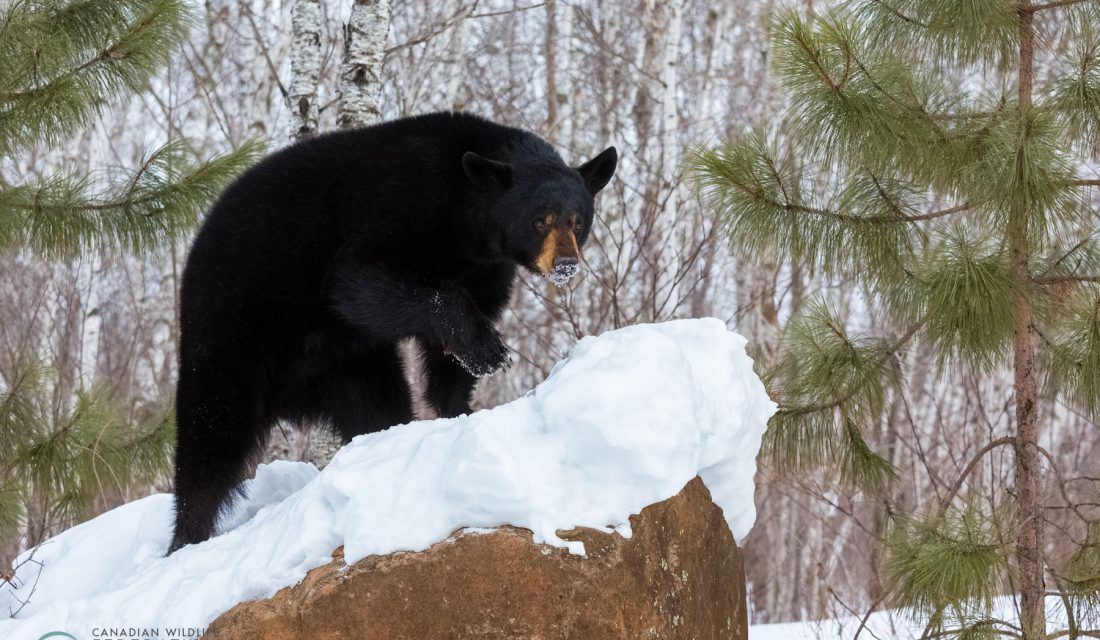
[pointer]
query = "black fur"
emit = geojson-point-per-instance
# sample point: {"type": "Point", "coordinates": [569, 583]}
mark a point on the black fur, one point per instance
{"type": "Point", "coordinates": [314, 264]}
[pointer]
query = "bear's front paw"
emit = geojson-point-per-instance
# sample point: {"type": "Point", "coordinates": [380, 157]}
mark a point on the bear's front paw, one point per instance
{"type": "Point", "coordinates": [483, 356]}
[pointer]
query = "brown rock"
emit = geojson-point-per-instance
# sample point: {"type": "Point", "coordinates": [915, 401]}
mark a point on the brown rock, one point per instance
{"type": "Point", "coordinates": [679, 576]}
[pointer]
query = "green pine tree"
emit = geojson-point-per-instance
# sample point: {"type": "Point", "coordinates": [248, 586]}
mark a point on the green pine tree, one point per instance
{"type": "Point", "coordinates": [64, 64]}
{"type": "Point", "coordinates": [957, 207]}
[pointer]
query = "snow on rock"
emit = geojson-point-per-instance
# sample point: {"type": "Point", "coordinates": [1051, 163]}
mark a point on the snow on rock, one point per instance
{"type": "Point", "coordinates": [624, 422]}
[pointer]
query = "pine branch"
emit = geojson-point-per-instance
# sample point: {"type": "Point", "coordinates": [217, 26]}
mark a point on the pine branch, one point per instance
{"type": "Point", "coordinates": [964, 288]}
{"type": "Point", "coordinates": [816, 62]}
{"type": "Point", "coordinates": [901, 216]}
{"type": "Point", "coordinates": [761, 196]}
{"type": "Point", "coordinates": [1072, 350]}
{"type": "Point", "coordinates": [827, 406]}
{"type": "Point", "coordinates": [953, 564]}
{"type": "Point", "coordinates": [62, 215]}
{"type": "Point", "coordinates": [52, 92]}
{"type": "Point", "coordinates": [941, 213]}
{"type": "Point", "coordinates": [891, 9]}
{"type": "Point", "coordinates": [938, 33]}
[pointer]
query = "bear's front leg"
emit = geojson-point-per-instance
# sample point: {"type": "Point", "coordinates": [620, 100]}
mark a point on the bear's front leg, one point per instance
{"type": "Point", "coordinates": [466, 334]}
{"type": "Point", "coordinates": [390, 307]}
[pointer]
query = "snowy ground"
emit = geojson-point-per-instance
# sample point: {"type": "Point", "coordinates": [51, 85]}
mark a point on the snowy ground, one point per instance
{"type": "Point", "coordinates": [626, 421]}
{"type": "Point", "coordinates": [889, 625]}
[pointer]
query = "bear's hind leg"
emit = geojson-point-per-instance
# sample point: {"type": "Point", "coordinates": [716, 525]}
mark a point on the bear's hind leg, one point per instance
{"type": "Point", "coordinates": [219, 428]}
{"type": "Point", "coordinates": [367, 393]}
{"type": "Point", "coordinates": [449, 384]}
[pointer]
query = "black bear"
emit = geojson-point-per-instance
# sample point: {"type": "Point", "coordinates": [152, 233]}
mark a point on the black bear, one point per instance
{"type": "Point", "coordinates": [317, 261]}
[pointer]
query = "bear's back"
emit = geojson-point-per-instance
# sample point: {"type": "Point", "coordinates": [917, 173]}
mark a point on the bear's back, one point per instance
{"type": "Point", "coordinates": [396, 188]}
{"type": "Point", "coordinates": [387, 178]}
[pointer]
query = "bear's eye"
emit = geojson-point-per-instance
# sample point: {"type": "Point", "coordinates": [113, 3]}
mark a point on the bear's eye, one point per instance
{"type": "Point", "coordinates": [540, 224]}
{"type": "Point", "coordinates": [578, 226]}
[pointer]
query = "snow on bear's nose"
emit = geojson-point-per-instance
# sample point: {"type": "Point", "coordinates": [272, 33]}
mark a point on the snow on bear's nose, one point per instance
{"type": "Point", "coordinates": [564, 270]}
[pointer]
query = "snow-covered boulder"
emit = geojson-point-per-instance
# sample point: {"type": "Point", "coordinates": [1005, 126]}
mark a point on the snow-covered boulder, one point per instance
{"type": "Point", "coordinates": [626, 421]}
{"type": "Point", "coordinates": [679, 576]}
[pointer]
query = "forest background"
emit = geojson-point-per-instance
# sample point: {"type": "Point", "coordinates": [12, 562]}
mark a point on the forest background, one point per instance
{"type": "Point", "coordinates": [658, 79]}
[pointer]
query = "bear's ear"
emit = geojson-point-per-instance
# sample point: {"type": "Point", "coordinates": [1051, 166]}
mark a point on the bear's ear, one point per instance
{"type": "Point", "coordinates": [598, 171]}
{"type": "Point", "coordinates": [488, 175]}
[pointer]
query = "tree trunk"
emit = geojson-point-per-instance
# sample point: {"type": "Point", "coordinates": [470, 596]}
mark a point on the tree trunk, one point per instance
{"type": "Point", "coordinates": [361, 71]}
{"type": "Point", "coordinates": [88, 273]}
{"type": "Point", "coordinates": [551, 65]}
{"type": "Point", "coordinates": [1029, 542]}
{"type": "Point", "coordinates": [305, 67]}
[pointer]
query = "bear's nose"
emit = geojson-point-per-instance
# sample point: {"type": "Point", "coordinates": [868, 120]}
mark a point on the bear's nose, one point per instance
{"type": "Point", "coordinates": [565, 262]}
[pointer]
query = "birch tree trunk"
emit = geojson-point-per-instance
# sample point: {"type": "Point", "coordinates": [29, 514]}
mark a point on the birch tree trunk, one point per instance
{"type": "Point", "coordinates": [91, 320]}
{"type": "Point", "coordinates": [305, 67]}
{"type": "Point", "coordinates": [549, 53]}
{"type": "Point", "coordinates": [567, 97]}
{"type": "Point", "coordinates": [361, 71]}
{"type": "Point", "coordinates": [457, 90]}
{"type": "Point", "coordinates": [668, 224]}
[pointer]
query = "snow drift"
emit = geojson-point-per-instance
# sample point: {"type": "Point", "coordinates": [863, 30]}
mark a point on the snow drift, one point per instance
{"type": "Point", "coordinates": [625, 421]}
{"type": "Point", "coordinates": [897, 624]}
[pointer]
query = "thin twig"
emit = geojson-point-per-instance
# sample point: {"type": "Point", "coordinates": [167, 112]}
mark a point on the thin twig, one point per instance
{"type": "Point", "coordinates": [867, 616]}
{"type": "Point", "coordinates": [1058, 279]}
{"type": "Point", "coordinates": [267, 54]}
{"type": "Point", "coordinates": [34, 585]}
{"type": "Point", "coordinates": [853, 612]}
{"type": "Point", "coordinates": [1050, 5]}
{"type": "Point", "coordinates": [954, 490]}
{"type": "Point", "coordinates": [1059, 261]}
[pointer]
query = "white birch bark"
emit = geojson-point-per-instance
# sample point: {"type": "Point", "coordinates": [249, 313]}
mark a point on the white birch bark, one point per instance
{"type": "Point", "coordinates": [361, 71]}
{"type": "Point", "coordinates": [667, 222]}
{"type": "Point", "coordinates": [91, 320]}
{"type": "Point", "coordinates": [567, 95]}
{"type": "Point", "coordinates": [305, 67]}
{"type": "Point", "coordinates": [457, 91]}
{"type": "Point", "coordinates": [670, 76]}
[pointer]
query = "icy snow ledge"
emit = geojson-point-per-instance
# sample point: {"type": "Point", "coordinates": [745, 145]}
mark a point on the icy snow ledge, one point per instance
{"type": "Point", "coordinates": [624, 422]}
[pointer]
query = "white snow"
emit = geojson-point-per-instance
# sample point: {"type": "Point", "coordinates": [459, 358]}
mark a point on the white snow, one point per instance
{"type": "Point", "coordinates": [895, 624]}
{"type": "Point", "coordinates": [625, 421]}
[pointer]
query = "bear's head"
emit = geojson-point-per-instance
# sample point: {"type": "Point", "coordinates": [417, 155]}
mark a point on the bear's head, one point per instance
{"type": "Point", "coordinates": [542, 209]}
